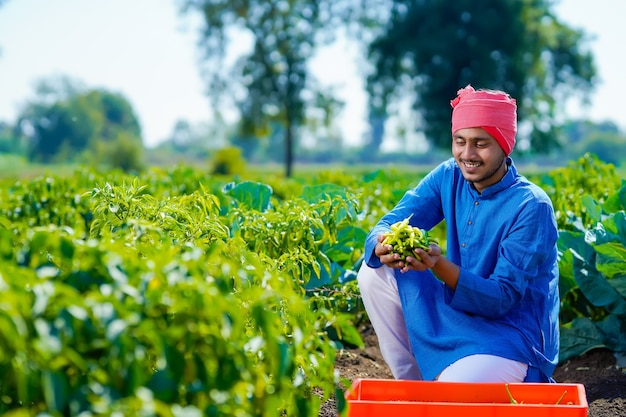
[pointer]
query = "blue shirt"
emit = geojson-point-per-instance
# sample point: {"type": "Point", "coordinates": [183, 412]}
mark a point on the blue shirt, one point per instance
{"type": "Point", "coordinates": [506, 302]}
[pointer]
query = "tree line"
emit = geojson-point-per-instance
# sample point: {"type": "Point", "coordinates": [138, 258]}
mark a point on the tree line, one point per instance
{"type": "Point", "coordinates": [420, 50]}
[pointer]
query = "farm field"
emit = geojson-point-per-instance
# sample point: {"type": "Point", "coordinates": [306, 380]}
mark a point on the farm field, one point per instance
{"type": "Point", "coordinates": [178, 293]}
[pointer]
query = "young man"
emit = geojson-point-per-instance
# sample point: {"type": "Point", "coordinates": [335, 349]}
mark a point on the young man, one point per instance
{"type": "Point", "coordinates": [488, 310]}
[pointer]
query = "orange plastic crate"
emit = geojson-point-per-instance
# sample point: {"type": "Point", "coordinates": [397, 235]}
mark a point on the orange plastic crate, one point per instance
{"type": "Point", "coordinates": [398, 398]}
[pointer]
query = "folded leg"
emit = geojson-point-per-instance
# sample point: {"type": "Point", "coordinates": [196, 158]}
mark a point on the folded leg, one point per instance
{"type": "Point", "coordinates": [379, 291]}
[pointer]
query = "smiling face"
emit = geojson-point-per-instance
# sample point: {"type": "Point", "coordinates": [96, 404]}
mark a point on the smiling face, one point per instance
{"type": "Point", "coordinates": [481, 159]}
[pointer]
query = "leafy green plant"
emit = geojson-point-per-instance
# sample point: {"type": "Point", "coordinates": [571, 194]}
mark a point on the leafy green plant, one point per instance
{"type": "Point", "coordinates": [228, 161]}
{"type": "Point", "coordinates": [45, 200]}
{"type": "Point", "coordinates": [587, 176]}
{"type": "Point", "coordinates": [177, 293]}
{"type": "Point", "coordinates": [94, 326]}
{"type": "Point", "coordinates": [158, 304]}
{"type": "Point", "coordinates": [593, 279]}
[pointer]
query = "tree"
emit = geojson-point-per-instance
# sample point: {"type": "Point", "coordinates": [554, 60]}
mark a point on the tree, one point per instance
{"type": "Point", "coordinates": [609, 148]}
{"type": "Point", "coordinates": [602, 139]}
{"type": "Point", "coordinates": [272, 82]}
{"type": "Point", "coordinates": [440, 46]}
{"type": "Point", "coordinates": [577, 131]}
{"type": "Point", "coordinates": [8, 141]}
{"type": "Point", "coordinates": [122, 151]}
{"type": "Point", "coordinates": [66, 119]}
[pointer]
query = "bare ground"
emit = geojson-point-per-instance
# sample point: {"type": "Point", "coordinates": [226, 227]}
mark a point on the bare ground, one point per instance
{"type": "Point", "coordinates": [597, 370]}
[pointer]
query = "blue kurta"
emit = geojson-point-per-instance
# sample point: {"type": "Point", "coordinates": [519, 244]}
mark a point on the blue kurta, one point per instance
{"type": "Point", "coordinates": [506, 302]}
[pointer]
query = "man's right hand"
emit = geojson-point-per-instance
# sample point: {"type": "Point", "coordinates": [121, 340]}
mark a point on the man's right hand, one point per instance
{"type": "Point", "coordinates": [385, 255]}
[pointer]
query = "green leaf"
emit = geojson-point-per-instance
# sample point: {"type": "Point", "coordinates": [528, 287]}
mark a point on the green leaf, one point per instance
{"type": "Point", "coordinates": [315, 193]}
{"type": "Point", "coordinates": [4, 223]}
{"type": "Point", "coordinates": [609, 239]}
{"type": "Point", "coordinates": [593, 208]}
{"type": "Point", "coordinates": [596, 288]}
{"type": "Point", "coordinates": [575, 241]}
{"type": "Point", "coordinates": [39, 242]}
{"type": "Point", "coordinates": [7, 242]}
{"type": "Point", "coordinates": [611, 260]}
{"type": "Point", "coordinates": [350, 334]}
{"type": "Point", "coordinates": [616, 201]}
{"type": "Point", "coordinates": [351, 236]}
{"type": "Point", "coordinates": [578, 337]}
{"type": "Point", "coordinates": [285, 362]}
{"type": "Point", "coordinates": [619, 283]}
{"type": "Point", "coordinates": [249, 194]}
{"type": "Point", "coordinates": [614, 329]}
{"type": "Point", "coordinates": [67, 248]}
{"type": "Point", "coordinates": [321, 272]}
{"type": "Point", "coordinates": [376, 176]}
{"type": "Point", "coordinates": [612, 229]}
{"type": "Point", "coordinates": [163, 385]}
{"type": "Point", "coordinates": [571, 244]}
{"type": "Point", "coordinates": [55, 390]}
{"type": "Point", "coordinates": [343, 330]}
{"type": "Point", "coordinates": [319, 278]}
{"type": "Point", "coordinates": [340, 397]}
{"type": "Point", "coordinates": [566, 274]}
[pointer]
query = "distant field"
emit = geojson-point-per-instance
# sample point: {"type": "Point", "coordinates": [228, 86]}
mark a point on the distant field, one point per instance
{"type": "Point", "coordinates": [12, 166]}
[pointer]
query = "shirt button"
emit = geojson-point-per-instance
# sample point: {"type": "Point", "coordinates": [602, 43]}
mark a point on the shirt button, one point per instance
{"type": "Point", "coordinates": [476, 203]}
{"type": "Point", "coordinates": [470, 222]}
{"type": "Point", "coordinates": [463, 244]}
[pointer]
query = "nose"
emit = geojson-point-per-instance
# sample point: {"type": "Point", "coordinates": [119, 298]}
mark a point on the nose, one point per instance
{"type": "Point", "coordinates": [469, 151]}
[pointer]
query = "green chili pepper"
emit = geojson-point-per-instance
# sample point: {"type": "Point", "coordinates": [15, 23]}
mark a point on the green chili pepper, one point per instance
{"type": "Point", "coordinates": [405, 238]}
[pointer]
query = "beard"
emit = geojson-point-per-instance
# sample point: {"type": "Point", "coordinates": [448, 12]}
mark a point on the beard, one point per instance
{"type": "Point", "coordinates": [489, 174]}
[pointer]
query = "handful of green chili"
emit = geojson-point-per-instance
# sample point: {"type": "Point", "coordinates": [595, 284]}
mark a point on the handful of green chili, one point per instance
{"type": "Point", "coordinates": [405, 238]}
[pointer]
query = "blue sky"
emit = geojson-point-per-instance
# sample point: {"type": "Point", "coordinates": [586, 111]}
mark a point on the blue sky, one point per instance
{"type": "Point", "coordinates": [145, 50]}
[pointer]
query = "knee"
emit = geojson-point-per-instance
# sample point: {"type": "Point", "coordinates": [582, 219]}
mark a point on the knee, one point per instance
{"type": "Point", "coordinates": [364, 276]}
{"type": "Point", "coordinates": [372, 279]}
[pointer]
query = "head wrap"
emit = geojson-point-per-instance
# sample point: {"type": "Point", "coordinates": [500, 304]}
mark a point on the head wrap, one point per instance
{"type": "Point", "coordinates": [493, 111]}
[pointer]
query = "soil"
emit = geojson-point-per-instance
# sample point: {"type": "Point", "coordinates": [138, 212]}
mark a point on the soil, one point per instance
{"type": "Point", "coordinates": [597, 370]}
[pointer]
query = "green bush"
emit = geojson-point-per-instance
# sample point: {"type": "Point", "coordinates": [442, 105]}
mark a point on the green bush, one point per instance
{"type": "Point", "coordinates": [124, 152]}
{"type": "Point", "coordinates": [589, 199]}
{"type": "Point", "coordinates": [228, 161]}
{"type": "Point", "coordinates": [179, 294]}
{"type": "Point", "coordinates": [102, 327]}
{"type": "Point", "coordinates": [566, 186]}
{"type": "Point", "coordinates": [161, 304]}
{"type": "Point", "coordinates": [593, 279]}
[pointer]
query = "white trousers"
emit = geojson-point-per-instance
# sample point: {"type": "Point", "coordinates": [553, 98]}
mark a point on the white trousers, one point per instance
{"type": "Point", "coordinates": [379, 291]}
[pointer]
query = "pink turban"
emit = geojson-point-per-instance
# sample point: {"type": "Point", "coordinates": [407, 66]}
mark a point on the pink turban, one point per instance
{"type": "Point", "coordinates": [493, 111]}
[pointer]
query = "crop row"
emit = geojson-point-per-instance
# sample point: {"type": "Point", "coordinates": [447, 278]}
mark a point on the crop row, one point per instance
{"type": "Point", "coordinates": [174, 294]}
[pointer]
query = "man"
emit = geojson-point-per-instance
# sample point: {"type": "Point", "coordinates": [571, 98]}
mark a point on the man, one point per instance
{"type": "Point", "coordinates": [488, 310]}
